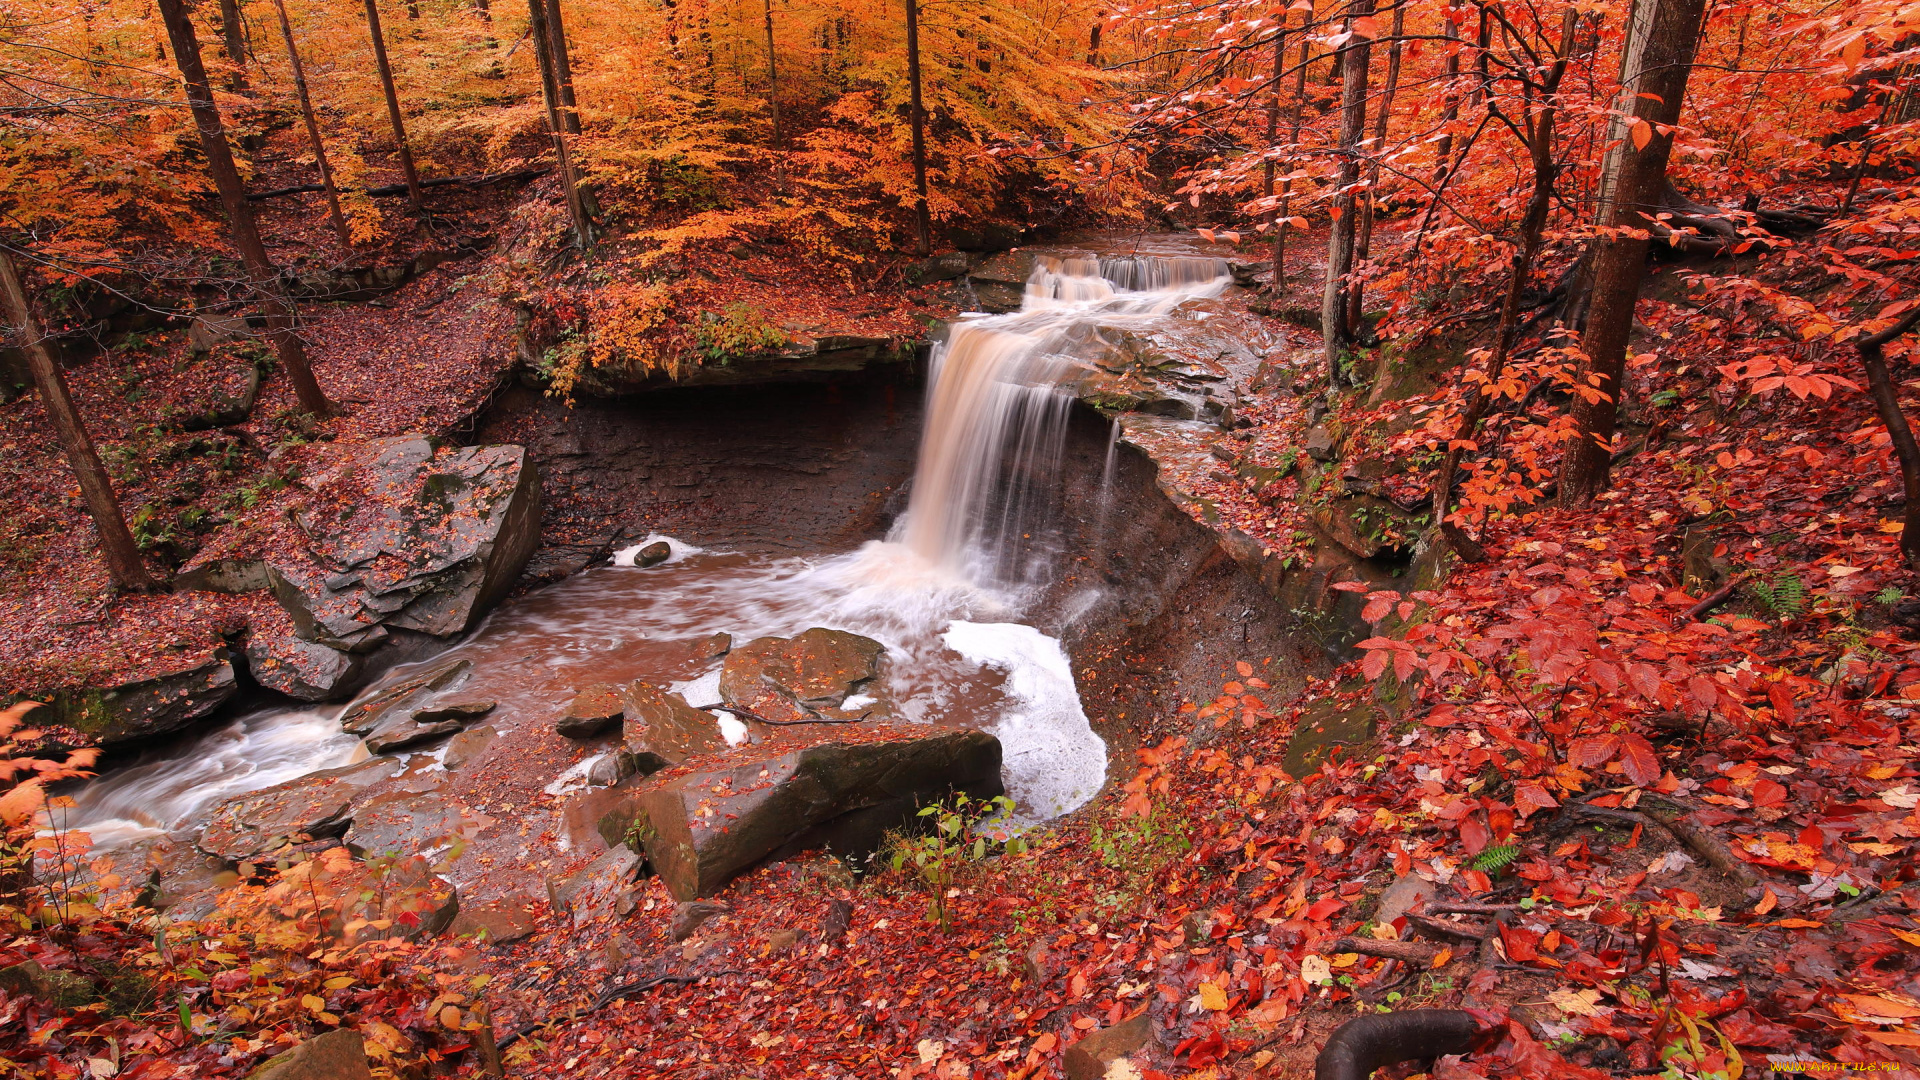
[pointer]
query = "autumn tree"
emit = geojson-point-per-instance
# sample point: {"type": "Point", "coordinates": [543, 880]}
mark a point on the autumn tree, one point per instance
{"type": "Point", "coordinates": [1355, 55]}
{"type": "Point", "coordinates": [1653, 78]}
{"type": "Point", "coordinates": [263, 278]}
{"type": "Point", "coordinates": [96, 490]}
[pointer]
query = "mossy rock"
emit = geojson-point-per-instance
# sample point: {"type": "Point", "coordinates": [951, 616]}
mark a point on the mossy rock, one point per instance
{"type": "Point", "coordinates": [1324, 725]}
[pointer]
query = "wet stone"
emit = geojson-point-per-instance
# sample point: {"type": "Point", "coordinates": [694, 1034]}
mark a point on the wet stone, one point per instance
{"type": "Point", "coordinates": [463, 711]}
{"type": "Point", "coordinates": [661, 729]}
{"type": "Point", "coordinates": [340, 1054]}
{"type": "Point", "coordinates": [595, 710]}
{"type": "Point", "coordinates": [468, 746]}
{"type": "Point", "coordinates": [653, 554]}
{"type": "Point", "coordinates": [605, 887]}
{"type": "Point", "coordinates": [782, 679]}
{"type": "Point", "coordinates": [364, 716]}
{"type": "Point", "coordinates": [411, 824]}
{"type": "Point", "coordinates": [497, 922]}
{"type": "Point", "coordinates": [316, 805]}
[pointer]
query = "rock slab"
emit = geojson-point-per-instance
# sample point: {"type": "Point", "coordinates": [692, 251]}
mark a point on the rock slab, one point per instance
{"type": "Point", "coordinates": [338, 1055]}
{"type": "Point", "coordinates": [712, 819]}
{"type": "Point", "coordinates": [422, 539]}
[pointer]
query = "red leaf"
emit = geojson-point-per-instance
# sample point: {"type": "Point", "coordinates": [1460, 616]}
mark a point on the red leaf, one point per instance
{"type": "Point", "coordinates": [1639, 759]}
{"type": "Point", "coordinates": [1473, 835]}
{"type": "Point", "coordinates": [1529, 796]}
{"type": "Point", "coordinates": [1592, 751]}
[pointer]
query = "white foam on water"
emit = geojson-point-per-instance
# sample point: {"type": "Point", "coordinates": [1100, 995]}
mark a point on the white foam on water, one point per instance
{"type": "Point", "coordinates": [731, 728]}
{"type": "Point", "coordinates": [704, 690]}
{"type": "Point", "coordinates": [178, 787]}
{"type": "Point", "coordinates": [1051, 760]}
{"type": "Point", "coordinates": [680, 548]}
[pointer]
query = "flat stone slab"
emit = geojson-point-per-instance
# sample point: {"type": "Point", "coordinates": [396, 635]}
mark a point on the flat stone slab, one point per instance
{"type": "Point", "coordinates": [309, 807]}
{"type": "Point", "coordinates": [786, 679]}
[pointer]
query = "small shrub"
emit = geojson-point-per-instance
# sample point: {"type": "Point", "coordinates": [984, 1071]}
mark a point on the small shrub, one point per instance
{"type": "Point", "coordinates": [740, 331]}
{"type": "Point", "coordinates": [959, 835]}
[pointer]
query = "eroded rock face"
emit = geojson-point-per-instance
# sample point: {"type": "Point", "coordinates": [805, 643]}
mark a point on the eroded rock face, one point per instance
{"type": "Point", "coordinates": [836, 787]}
{"type": "Point", "coordinates": [302, 669]}
{"type": "Point", "coordinates": [411, 823]}
{"type": "Point", "coordinates": [662, 729]}
{"type": "Point", "coordinates": [131, 712]}
{"type": "Point", "coordinates": [316, 805]}
{"type": "Point", "coordinates": [605, 887]}
{"type": "Point", "coordinates": [409, 537]}
{"type": "Point", "coordinates": [787, 679]}
{"type": "Point", "coordinates": [392, 717]}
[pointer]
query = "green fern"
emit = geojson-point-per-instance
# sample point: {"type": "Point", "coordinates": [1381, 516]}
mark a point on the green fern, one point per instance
{"type": "Point", "coordinates": [1784, 598]}
{"type": "Point", "coordinates": [1495, 859]}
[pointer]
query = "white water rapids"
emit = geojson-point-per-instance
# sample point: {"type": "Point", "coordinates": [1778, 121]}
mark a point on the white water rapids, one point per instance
{"type": "Point", "coordinates": [945, 592]}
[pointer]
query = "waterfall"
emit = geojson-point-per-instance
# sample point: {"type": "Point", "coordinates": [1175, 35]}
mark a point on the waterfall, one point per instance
{"type": "Point", "coordinates": [997, 407]}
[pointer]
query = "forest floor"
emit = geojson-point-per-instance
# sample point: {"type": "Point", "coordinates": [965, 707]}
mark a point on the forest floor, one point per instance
{"type": "Point", "coordinates": [1773, 927]}
{"type": "Point", "coordinates": [426, 356]}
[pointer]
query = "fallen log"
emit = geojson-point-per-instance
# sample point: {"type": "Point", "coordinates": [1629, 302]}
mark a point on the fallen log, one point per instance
{"type": "Point", "coordinates": [386, 190]}
{"type": "Point", "coordinates": [1367, 1043]}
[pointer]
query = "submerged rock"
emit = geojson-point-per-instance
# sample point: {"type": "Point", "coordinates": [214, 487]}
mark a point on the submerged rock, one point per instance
{"type": "Point", "coordinates": [425, 540]}
{"type": "Point", "coordinates": [840, 788]}
{"type": "Point", "coordinates": [468, 746]}
{"type": "Point", "coordinates": [786, 679]}
{"type": "Point", "coordinates": [312, 806]}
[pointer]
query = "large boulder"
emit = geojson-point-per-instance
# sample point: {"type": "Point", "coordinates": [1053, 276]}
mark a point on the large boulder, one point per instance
{"type": "Point", "coordinates": [391, 709]}
{"type": "Point", "coordinates": [308, 807]}
{"type": "Point", "coordinates": [340, 1054]}
{"type": "Point", "coordinates": [411, 823]}
{"type": "Point", "coordinates": [835, 787]}
{"type": "Point", "coordinates": [802, 677]}
{"type": "Point", "coordinates": [301, 669]}
{"type": "Point", "coordinates": [136, 711]}
{"type": "Point", "coordinates": [1000, 282]}
{"type": "Point", "coordinates": [410, 537]}
{"type": "Point", "coordinates": [661, 729]}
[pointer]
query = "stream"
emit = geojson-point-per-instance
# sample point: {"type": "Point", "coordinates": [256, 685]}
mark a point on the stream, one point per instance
{"type": "Point", "coordinates": [950, 592]}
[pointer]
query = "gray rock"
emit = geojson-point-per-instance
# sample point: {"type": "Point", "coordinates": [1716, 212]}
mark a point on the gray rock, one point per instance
{"type": "Point", "coordinates": [842, 791]}
{"type": "Point", "coordinates": [1320, 443]}
{"type": "Point", "coordinates": [604, 888]}
{"type": "Point", "coordinates": [312, 806]}
{"type": "Point", "coordinates": [223, 576]}
{"type": "Point", "coordinates": [132, 712]}
{"type": "Point", "coordinates": [464, 711]}
{"type": "Point", "coordinates": [594, 711]}
{"type": "Point", "coordinates": [402, 732]}
{"type": "Point", "coordinates": [786, 679]}
{"type": "Point", "coordinates": [661, 729]}
{"type": "Point", "coordinates": [62, 989]}
{"type": "Point", "coordinates": [468, 746]}
{"type": "Point", "coordinates": [402, 696]}
{"type": "Point", "coordinates": [943, 267]}
{"type": "Point", "coordinates": [410, 824]}
{"type": "Point", "coordinates": [406, 895]}
{"type": "Point", "coordinates": [340, 1054]}
{"type": "Point", "coordinates": [690, 915]}
{"type": "Point", "coordinates": [497, 922]}
{"type": "Point", "coordinates": [302, 669]}
{"type": "Point", "coordinates": [430, 542]}
{"type": "Point", "coordinates": [1091, 1057]}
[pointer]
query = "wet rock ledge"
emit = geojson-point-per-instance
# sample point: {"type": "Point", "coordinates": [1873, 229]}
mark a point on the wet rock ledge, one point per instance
{"type": "Point", "coordinates": [381, 549]}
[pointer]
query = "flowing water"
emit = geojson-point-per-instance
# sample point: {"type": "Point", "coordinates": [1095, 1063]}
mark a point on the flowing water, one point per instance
{"type": "Point", "coordinates": [946, 592]}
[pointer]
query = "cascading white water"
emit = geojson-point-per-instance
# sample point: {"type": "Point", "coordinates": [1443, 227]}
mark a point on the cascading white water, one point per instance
{"type": "Point", "coordinates": [943, 593]}
{"type": "Point", "coordinates": [997, 406]}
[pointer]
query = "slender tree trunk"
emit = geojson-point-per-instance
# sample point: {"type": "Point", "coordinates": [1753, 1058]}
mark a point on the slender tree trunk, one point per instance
{"type": "Point", "coordinates": [1886, 401]}
{"type": "Point", "coordinates": [549, 86]}
{"type": "Point", "coordinates": [1281, 224]}
{"type": "Point", "coordinates": [116, 543]}
{"type": "Point", "coordinates": [394, 116]}
{"type": "Point", "coordinates": [1355, 56]}
{"type": "Point", "coordinates": [1450, 109]}
{"type": "Point", "coordinates": [773, 76]}
{"type": "Point", "coordinates": [1363, 246]}
{"type": "Point", "coordinates": [484, 10]}
{"type": "Point", "coordinates": [233, 33]}
{"type": "Point", "coordinates": [1093, 40]}
{"type": "Point", "coordinates": [1658, 58]}
{"type": "Point", "coordinates": [1533, 224]}
{"type": "Point", "coordinates": [262, 277]}
{"type": "Point", "coordinates": [922, 219]}
{"type": "Point", "coordinates": [1273, 110]}
{"type": "Point", "coordinates": [562, 69]}
{"type": "Point", "coordinates": [313, 126]}
{"type": "Point", "coordinates": [577, 211]}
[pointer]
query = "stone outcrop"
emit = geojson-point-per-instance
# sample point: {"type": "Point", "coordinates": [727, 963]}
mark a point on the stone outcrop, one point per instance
{"type": "Point", "coordinates": [661, 729]}
{"type": "Point", "coordinates": [407, 536]}
{"type": "Point", "coordinates": [1000, 282]}
{"type": "Point", "coordinates": [399, 716]}
{"type": "Point", "coordinates": [340, 1054]}
{"type": "Point", "coordinates": [309, 807]}
{"type": "Point", "coordinates": [806, 676]}
{"type": "Point", "coordinates": [1093, 1056]}
{"type": "Point", "coordinates": [302, 669]}
{"type": "Point", "coordinates": [605, 887]}
{"type": "Point", "coordinates": [839, 788]}
{"type": "Point", "coordinates": [132, 712]}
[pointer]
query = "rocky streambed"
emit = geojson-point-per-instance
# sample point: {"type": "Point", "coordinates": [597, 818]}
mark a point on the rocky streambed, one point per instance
{"type": "Point", "coordinates": [783, 677]}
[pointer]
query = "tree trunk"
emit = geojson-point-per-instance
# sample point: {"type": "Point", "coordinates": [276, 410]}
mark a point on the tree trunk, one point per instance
{"type": "Point", "coordinates": [1886, 401]}
{"type": "Point", "coordinates": [1355, 55]}
{"type": "Point", "coordinates": [1356, 303]}
{"type": "Point", "coordinates": [233, 33]}
{"type": "Point", "coordinates": [1093, 41]}
{"type": "Point", "coordinates": [1533, 224]}
{"type": "Point", "coordinates": [482, 9]}
{"type": "Point", "coordinates": [116, 543]}
{"type": "Point", "coordinates": [1654, 67]}
{"type": "Point", "coordinates": [313, 126]}
{"type": "Point", "coordinates": [773, 77]}
{"type": "Point", "coordinates": [1450, 110]}
{"type": "Point", "coordinates": [542, 30]}
{"type": "Point", "coordinates": [263, 279]}
{"type": "Point", "coordinates": [562, 69]}
{"type": "Point", "coordinates": [1280, 224]}
{"type": "Point", "coordinates": [407, 171]}
{"type": "Point", "coordinates": [549, 86]}
{"type": "Point", "coordinates": [922, 219]}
